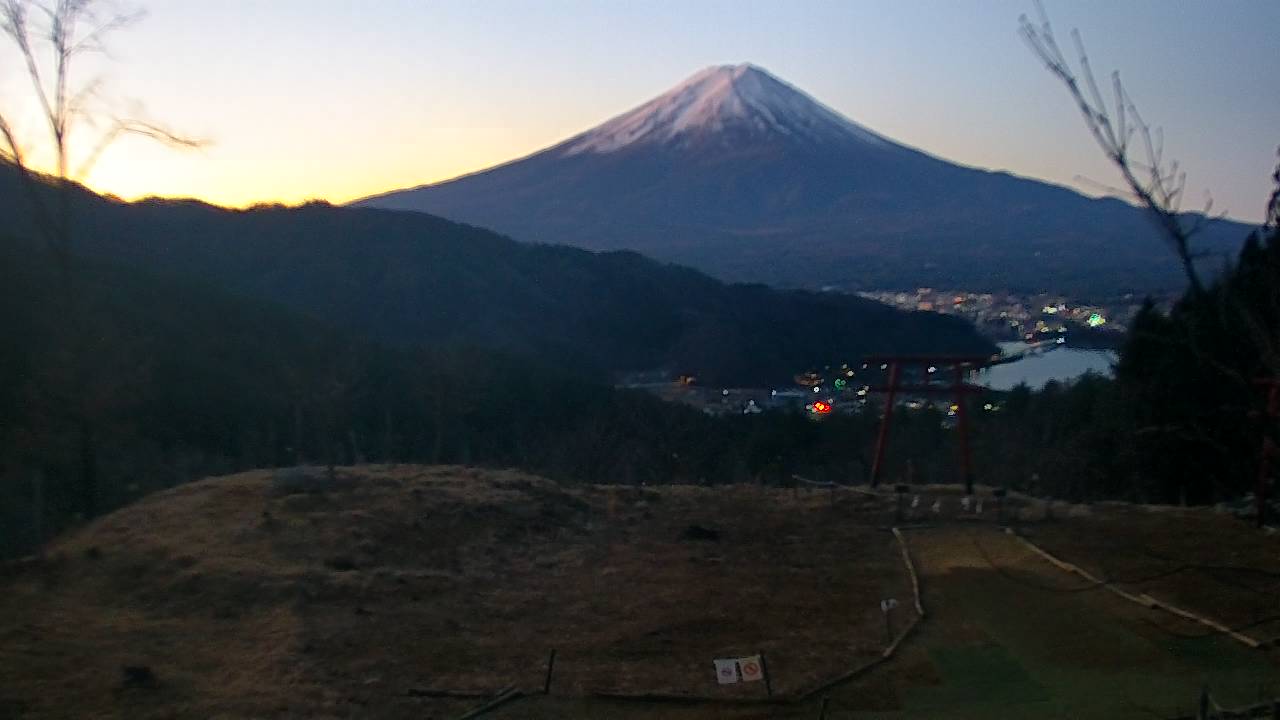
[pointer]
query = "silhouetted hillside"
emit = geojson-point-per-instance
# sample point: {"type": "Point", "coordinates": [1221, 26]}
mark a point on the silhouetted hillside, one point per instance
{"type": "Point", "coordinates": [167, 380]}
{"type": "Point", "coordinates": [408, 278]}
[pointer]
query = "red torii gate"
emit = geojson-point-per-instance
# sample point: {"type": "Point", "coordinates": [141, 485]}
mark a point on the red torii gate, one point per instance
{"type": "Point", "coordinates": [960, 365]}
{"type": "Point", "coordinates": [1272, 388]}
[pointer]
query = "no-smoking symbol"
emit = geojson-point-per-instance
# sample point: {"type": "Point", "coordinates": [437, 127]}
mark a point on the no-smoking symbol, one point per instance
{"type": "Point", "coordinates": [750, 668]}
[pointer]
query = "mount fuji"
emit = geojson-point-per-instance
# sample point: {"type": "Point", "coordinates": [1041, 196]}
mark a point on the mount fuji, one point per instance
{"type": "Point", "coordinates": [742, 175]}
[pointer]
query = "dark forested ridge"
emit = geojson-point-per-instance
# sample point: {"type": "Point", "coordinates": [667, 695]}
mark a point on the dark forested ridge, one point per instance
{"type": "Point", "coordinates": [184, 340]}
{"type": "Point", "coordinates": [407, 278]}
{"type": "Point", "coordinates": [187, 381]}
{"type": "Point", "coordinates": [201, 341]}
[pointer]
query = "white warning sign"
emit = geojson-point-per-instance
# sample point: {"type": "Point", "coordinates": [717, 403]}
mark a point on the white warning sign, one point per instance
{"type": "Point", "coordinates": [743, 669]}
{"type": "Point", "coordinates": [726, 671]}
{"type": "Point", "coordinates": [751, 668]}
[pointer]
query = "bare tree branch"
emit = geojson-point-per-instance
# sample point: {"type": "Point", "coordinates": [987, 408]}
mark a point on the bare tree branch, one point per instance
{"type": "Point", "coordinates": [13, 22]}
{"type": "Point", "coordinates": [1162, 192]}
{"type": "Point", "coordinates": [35, 28]}
{"type": "Point", "coordinates": [93, 40]}
{"type": "Point", "coordinates": [123, 126]}
{"type": "Point", "coordinates": [64, 109]}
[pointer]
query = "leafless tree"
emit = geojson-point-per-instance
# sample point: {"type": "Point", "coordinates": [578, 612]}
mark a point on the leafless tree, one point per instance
{"type": "Point", "coordinates": [49, 38]}
{"type": "Point", "coordinates": [1157, 184]}
{"type": "Point", "coordinates": [1224, 310]}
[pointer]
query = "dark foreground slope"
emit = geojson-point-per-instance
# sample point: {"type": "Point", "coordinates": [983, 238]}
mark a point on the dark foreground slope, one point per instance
{"type": "Point", "coordinates": [287, 595]}
{"type": "Point", "coordinates": [290, 595]}
{"type": "Point", "coordinates": [407, 278]}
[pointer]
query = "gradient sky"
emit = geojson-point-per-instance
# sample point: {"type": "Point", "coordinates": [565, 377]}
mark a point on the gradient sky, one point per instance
{"type": "Point", "coordinates": [340, 99]}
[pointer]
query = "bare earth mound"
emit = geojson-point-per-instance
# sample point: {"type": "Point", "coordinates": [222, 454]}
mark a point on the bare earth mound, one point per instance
{"type": "Point", "coordinates": [292, 595]}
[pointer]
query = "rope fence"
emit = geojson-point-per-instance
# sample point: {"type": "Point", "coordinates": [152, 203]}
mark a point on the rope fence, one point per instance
{"type": "Point", "coordinates": [1141, 599]}
{"type": "Point", "coordinates": [511, 694]}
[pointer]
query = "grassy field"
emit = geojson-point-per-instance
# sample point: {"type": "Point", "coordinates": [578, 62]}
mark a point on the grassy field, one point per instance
{"type": "Point", "coordinates": [1011, 636]}
{"type": "Point", "coordinates": [288, 595]}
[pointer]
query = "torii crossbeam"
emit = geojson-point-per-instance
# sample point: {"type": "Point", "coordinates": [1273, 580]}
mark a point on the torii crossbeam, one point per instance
{"type": "Point", "coordinates": [960, 366]}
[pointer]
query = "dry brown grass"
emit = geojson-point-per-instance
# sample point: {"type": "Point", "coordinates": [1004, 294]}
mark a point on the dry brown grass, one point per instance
{"type": "Point", "coordinates": [249, 602]}
{"type": "Point", "coordinates": [249, 596]}
{"type": "Point", "coordinates": [1207, 562]}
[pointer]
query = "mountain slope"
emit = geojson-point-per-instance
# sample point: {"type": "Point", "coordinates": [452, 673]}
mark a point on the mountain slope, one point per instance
{"type": "Point", "coordinates": [407, 278]}
{"type": "Point", "coordinates": [727, 105]}
{"type": "Point", "coordinates": [181, 380]}
{"type": "Point", "coordinates": [743, 176]}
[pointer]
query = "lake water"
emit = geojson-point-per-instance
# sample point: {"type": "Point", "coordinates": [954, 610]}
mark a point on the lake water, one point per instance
{"type": "Point", "coordinates": [1061, 364]}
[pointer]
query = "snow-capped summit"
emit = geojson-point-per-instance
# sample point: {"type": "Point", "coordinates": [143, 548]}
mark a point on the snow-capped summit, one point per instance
{"type": "Point", "coordinates": [741, 100]}
{"type": "Point", "coordinates": [735, 172]}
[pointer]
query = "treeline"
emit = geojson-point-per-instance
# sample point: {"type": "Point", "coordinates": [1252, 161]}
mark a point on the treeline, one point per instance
{"type": "Point", "coordinates": [118, 382]}
{"type": "Point", "coordinates": [142, 381]}
{"type": "Point", "coordinates": [147, 381]}
{"type": "Point", "coordinates": [1184, 419]}
{"type": "Point", "coordinates": [1196, 377]}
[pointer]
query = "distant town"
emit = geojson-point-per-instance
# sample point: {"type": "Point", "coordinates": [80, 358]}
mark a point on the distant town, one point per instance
{"type": "Point", "coordinates": [843, 390]}
{"type": "Point", "coordinates": [1031, 324]}
{"type": "Point", "coordinates": [1011, 316]}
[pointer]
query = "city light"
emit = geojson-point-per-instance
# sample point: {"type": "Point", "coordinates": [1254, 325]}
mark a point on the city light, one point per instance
{"type": "Point", "coordinates": [1015, 311]}
{"type": "Point", "coordinates": [821, 407]}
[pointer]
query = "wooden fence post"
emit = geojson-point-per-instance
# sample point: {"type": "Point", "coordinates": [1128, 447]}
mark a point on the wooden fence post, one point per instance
{"type": "Point", "coordinates": [551, 666]}
{"type": "Point", "coordinates": [764, 668]}
{"type": "Point", "coordinates": [37, 510]}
